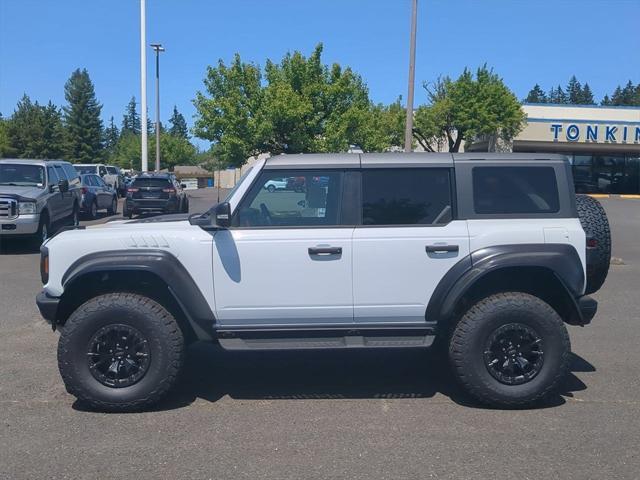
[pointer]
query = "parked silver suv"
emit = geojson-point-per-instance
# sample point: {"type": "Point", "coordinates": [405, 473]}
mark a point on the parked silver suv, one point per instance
{"type": "Point", "coordinates": [35, 195]}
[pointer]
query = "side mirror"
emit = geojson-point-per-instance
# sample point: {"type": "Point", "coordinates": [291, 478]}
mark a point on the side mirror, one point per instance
{"type": "Point", "coordinates": [223, 215]}
{"type": "Point", "coordinates": [63, 186]}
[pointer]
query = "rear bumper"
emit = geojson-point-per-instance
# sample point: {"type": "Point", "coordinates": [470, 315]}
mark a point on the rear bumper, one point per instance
{"type": "Point", "coordinates": [588, 308]}
{"type": "Point", "coordinates": [48, 306]}
{"type": "Point", "coordinates": [152, 205]}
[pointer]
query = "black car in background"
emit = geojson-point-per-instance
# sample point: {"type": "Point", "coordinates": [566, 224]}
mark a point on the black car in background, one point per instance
{"type": "Point", "coordinates": [155, 193]}
{"type": "Point", "coordinates": [97, 195]}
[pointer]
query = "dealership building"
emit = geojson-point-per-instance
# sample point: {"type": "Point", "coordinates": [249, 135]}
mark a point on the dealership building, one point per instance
{"type": "Point", "coordinates": [602, 143]}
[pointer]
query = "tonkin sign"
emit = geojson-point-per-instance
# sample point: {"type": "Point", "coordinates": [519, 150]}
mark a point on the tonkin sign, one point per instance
{"type": "Point", "coordinates": [595, 133]}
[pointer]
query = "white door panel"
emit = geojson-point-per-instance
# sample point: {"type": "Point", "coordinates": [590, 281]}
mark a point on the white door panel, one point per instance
{"type": "Point", "coordinates": [393, 274]}
{"type": "Point", "coordinates": [268, 276]}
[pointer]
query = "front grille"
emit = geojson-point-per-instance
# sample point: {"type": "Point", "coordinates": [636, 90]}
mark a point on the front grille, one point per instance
{"type": "Point", "coordinates": [8, 208]}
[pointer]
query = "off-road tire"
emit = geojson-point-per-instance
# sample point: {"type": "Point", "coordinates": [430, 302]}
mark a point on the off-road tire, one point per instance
{"type": "Point", "coordinates": [468, 342]}
{"type": "Point", "coordinates": [152, 320]}
{"type": "Point", "coordinates": [596, 225]}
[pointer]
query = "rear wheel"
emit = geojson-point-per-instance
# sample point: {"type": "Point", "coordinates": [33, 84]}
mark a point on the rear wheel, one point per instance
{"type": "Point", "coordinates": [510, 350]}
{"type": "Point", "coordinates": [93, 210]}
{"type": "Point", "coordinates": [596, 225]}
{"type": "Point", "coordinates": [120, 352]}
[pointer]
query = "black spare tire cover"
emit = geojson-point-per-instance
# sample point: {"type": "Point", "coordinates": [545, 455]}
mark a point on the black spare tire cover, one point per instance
{"type": "Point", "coordinates": [595, 224]}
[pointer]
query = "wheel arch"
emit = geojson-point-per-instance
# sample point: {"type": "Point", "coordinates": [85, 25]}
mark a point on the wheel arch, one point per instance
{"type": "Point", "coordinates": [552, 272]}
{"type": "Point", "coordinates": [154, 273]}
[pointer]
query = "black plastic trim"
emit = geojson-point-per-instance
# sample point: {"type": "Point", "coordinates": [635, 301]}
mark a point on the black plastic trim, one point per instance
{"type": "Point", "coordinates": [48, 307]}
{"type": "Point", "coordinates": [166, 267]}
{"type": "Point", "coordinates": [562, 260]}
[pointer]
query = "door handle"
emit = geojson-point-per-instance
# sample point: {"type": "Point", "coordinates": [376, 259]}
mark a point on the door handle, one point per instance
{"type": "Point", "coordinates": [325, 250]}
{"type": "Point", "coordinates": [442, 248]}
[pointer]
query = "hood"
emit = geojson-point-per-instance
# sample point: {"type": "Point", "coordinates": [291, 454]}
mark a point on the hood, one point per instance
{"type": "Point", "coordinates": [169, 221]}
{"type": "Point", "coordinates": [31, 193]}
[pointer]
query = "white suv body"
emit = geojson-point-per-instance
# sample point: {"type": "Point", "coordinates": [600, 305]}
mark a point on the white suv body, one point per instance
{"type": "Point", "coordinates": [378, 250]}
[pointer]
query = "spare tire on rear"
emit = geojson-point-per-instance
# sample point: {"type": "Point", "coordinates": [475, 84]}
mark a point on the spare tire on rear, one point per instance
{"type": "Point", "coordinates": [595, 224]}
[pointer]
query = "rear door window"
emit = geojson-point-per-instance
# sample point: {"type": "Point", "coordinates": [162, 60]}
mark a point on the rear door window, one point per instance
{"type": "Point", "coordinates": [515, 190]}
{"type": "Point", "coordinates": [409, 196]}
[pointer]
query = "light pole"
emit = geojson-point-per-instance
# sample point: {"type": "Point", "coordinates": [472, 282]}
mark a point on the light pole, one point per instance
{"type": "Point", "coordinates": [143, 84]}
{"type": "Point", "coordinates": [408, 132]}
{"type": "Point", "coordinates": [158, 48]}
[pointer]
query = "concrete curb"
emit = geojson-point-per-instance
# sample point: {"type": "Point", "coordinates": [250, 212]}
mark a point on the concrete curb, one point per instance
{"type": "Point", "coordinates": [606, 195]}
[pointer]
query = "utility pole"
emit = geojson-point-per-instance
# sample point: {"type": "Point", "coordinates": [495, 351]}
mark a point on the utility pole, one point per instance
{"type": "Point", "coordinates": [408, 132]}
{"type": "Point", "coordinates": [158, 48]}
{"type": "Point", "coordinates": [143, 84]}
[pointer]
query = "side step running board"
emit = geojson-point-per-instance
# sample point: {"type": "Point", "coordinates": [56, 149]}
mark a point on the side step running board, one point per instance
{"type": "Point", "coordinates": [303, 339]}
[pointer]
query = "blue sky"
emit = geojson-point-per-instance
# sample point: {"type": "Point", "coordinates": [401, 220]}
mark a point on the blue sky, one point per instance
{"type": "Point", "coordinates": [544, 41]}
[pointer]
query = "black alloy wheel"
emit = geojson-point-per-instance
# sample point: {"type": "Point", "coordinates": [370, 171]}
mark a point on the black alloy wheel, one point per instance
{"type": "Point", "coordinates": [118, 355]}
{"type": "Point", "coordinates": [513, 354]}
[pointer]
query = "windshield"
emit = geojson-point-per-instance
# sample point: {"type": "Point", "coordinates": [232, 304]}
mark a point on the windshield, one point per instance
{"type": "Point", "coordinates": [86, 169]}
{"type": "Point", "coordinates": [237, 185]}
{"type": "Point", "coordinates": [21, 175]}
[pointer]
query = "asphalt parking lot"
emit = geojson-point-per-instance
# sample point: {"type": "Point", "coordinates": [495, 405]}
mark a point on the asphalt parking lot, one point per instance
{"type": "Point", "coordinates": [360, 414]}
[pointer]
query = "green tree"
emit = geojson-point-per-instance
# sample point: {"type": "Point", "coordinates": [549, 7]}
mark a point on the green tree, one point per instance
{"type": "Point", "coordinates": [605, 100]}
{"type": "Point", "coordinates": [178, 124]}
{"type": "Point", "coordinates": [83, 126]}
{"type": "Point", "coordinates": [629, 95]}
{"type": "Point", "coordinates": [467, 108]}
{"type": "Point", "coordinates": [587, 95]}
{"type": "Point", "coordinates": [131, 119]}
{"type": "Point", "coordinates": [557, 95]}
{"type": "Point", "coordinates": [536, 95]}
{"type": "Point", "coordinates": [302, 106]}
{"type": "Point", "coordinates": [35, 131]}
{"type": "Point", "coordinates": [111, 135]}
{"type": "Point", "coordinates": [175, 150]}
{"type": "Point", "coordinates": [574, 91]}
{"type": "Point", "coordinates": [126, 153]}
{"type": "Point", "coordinates": [6, 150]}
{"type": "Point", "coordinates": [228, 114]}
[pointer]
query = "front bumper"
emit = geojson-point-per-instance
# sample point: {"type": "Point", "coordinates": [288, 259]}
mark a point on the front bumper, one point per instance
{"type": "Point", "coordinates": [23, 225]}
{"type": "Point", "coordinates": [48, 307]}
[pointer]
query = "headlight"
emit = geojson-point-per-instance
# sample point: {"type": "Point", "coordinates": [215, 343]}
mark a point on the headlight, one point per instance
{"type": "Point", "coordinates": [26, 208]}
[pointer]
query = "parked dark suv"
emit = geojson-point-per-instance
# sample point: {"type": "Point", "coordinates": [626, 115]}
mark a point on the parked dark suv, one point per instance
{"type": "Point", "coordinates": [155, 193]}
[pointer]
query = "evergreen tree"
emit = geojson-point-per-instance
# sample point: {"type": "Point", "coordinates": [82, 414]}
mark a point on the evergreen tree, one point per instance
{"type": "Point", "coordinates": [178, 124]}
{"type": "Point", "coordinates": [574, 91]}
{"type": "Point", "coordinates": [35, 131]}
{"type": "Point", "coordinates": [628, 96]}
{"type": "Point", "coordinates": [536, 95]}
{"type": "Point", "coordinates": [131, 119]}
{"type": "Point", "coordinates": [606, 100]}
{"type": "Point", "coordinates": [587, 96]}
{"type": "Point", "coordinates": [82, 121]}
{"type": "Point", "coordinates": [557, 95]}
{"type": "Point", "coordinates": [111, 135]}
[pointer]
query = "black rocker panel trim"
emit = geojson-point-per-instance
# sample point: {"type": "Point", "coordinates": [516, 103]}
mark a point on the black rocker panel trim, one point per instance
{"type": "Point", "coordinates": [562, 260]}
{"type": "Point", "coordinates": [165, 266]}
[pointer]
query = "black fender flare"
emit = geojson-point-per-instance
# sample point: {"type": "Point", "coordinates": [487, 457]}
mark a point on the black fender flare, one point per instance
{"type": "Point", "coordinates": [560, 259]}
{"type": "Point", "coordinates": [162, 264]}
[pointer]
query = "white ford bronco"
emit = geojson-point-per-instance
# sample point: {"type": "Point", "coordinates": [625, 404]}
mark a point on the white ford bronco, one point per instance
{"type": "Point", "coordinates": [487, 255]}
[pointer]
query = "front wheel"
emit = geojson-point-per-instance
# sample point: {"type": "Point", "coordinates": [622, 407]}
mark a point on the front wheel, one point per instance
{"type": "Point", "coordinates": [510, 350]}
{"type": "Point", "coordinates": [113, 209]}
{"type": "Point", "coordinates": [120, 352]}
